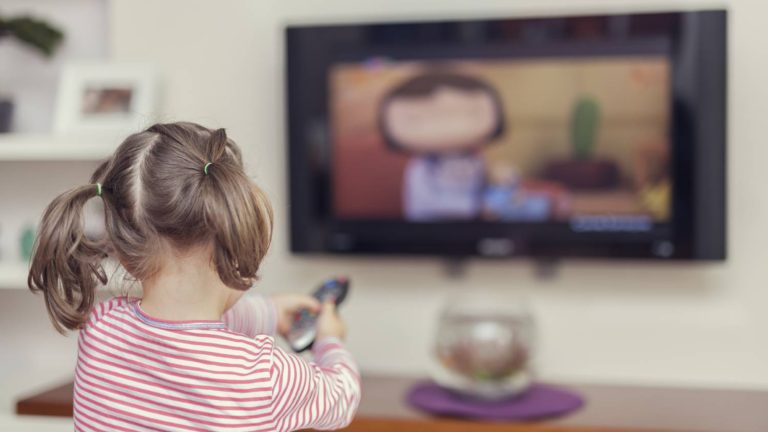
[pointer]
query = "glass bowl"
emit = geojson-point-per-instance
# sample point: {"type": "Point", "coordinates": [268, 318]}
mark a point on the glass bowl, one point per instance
{"type": "Point", "coordinates": [484, 348]}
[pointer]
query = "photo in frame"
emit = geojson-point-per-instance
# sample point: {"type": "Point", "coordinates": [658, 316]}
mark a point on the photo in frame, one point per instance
{"type": "Point", "coordinates": [105, 98]}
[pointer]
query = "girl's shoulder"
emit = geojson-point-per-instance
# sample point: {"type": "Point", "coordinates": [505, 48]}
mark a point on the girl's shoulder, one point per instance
{"type": "Point", "coordinates": [107, 306]}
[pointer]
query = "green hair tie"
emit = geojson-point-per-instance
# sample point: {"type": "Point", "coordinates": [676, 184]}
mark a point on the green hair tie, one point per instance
{"type": "Point", "coordinates": [205, 168]}
{"type": "Point", "coordinates": [98, 189]}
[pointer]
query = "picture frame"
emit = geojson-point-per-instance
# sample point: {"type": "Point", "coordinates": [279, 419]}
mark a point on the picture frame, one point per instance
{"type": "Point", "coordinates": [105, 98]}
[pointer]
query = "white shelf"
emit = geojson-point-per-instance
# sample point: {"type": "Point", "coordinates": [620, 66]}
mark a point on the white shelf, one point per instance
{"type": "Point", "coordinates": [47, 147]}
{"type": "Point", "coordinates": [13, 275]}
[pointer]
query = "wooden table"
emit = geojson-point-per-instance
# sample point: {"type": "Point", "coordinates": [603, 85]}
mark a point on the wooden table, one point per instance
{"type": "Point", "coordinates": [608, 409]}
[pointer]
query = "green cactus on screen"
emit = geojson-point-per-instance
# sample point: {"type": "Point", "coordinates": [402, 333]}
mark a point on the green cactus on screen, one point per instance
{"type": "Point", "coordinates": [586, 116]}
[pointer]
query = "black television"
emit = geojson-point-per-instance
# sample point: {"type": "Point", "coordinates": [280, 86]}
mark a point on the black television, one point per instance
{"type": "Point", "coordinates": [545, 137]}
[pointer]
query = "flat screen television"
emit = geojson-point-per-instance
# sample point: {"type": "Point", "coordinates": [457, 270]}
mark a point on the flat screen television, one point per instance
{"type": "Point", "coordinates": [573, 136]}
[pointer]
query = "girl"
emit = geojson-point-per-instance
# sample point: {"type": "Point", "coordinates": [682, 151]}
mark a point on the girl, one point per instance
{"type": "Point", "coordinates": [192, 353]}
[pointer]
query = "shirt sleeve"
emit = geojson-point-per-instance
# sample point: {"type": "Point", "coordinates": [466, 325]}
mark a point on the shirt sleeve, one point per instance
{"type": "Point", "coordinates": [252, 315]}
{"type": "Point", "coordinates": [323, 394]}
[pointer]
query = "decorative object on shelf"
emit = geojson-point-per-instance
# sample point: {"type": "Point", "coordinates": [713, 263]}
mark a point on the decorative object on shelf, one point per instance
{"type": "Point", "coordinates": [484, 365]}
{"type": "Point", "coordinates": [484, 347]}
{"type": "Point", "coordinates": [105, 97]}
{"type": "Point", "coordinates": [6, 113]}
{"type": "Point", "coordinates": [541, 401]}
{"type": "Point", "coordinates": [27, 242]}
{"type": "Point", "coordinates": [34, 33]}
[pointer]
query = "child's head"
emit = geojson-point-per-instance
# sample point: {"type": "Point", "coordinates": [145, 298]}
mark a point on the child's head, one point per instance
{"type": "Point", "coordinates": [165, 190]}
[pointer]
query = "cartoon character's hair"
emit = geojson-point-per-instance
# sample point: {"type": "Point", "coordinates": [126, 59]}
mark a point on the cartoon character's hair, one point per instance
{"type": "Point", "coordinates": [424, 85]}
{"type": "Point", "coordinates": [166, 189]}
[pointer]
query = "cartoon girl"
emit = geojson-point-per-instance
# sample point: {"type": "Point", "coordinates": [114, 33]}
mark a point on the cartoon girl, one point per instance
{"type": "Point", "coordinates": [444, 119]}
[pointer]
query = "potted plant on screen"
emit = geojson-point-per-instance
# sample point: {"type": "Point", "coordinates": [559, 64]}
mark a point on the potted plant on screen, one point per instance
{"type": "Point", "coordinates": [34, 33]}
{"type": "Point", "coordinates": [584, 170]}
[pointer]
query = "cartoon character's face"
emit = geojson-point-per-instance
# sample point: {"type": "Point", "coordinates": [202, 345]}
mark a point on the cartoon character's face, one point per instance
{"type": "Point", "coordinates": [449, 119]}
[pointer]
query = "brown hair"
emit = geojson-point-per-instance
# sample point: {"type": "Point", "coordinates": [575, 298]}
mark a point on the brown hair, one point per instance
{"type": "Point", "coordinates": [156, 195]}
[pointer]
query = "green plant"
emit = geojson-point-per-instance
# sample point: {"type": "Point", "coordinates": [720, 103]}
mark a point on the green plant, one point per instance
{"type": "Point", "coordinates": [586, 116]}
{"type": "Point", "coordinates": [33, 32]}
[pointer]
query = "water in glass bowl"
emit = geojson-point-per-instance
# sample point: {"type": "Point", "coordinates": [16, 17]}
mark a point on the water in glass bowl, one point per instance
{"type": "Point", "coordinates": [484, 347]}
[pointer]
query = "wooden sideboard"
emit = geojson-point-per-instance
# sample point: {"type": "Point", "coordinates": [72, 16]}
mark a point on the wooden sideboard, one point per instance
{"type": "Point", "coordinates": [608, 409]}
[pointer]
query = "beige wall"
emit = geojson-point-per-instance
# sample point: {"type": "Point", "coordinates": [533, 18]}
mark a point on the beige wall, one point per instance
{"type": "Point", "coordinates": [602, 321]}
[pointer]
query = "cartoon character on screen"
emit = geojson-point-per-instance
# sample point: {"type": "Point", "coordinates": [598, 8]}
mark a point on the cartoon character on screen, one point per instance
{"type": "Point", "coordinates": [443, 120]}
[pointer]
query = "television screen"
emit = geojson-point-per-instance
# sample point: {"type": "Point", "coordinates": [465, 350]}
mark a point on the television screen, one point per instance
{"type": "Point", "coordinates": [571, 136]}
{"type": "Point", "coordinates": [541, 140]}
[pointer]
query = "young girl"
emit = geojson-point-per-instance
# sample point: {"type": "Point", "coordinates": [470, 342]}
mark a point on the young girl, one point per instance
{"type": "Point", "coordinates": [192, 353]}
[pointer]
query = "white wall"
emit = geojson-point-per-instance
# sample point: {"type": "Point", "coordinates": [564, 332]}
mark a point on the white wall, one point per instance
{"type": "Point", "coordinates": [600, 321]}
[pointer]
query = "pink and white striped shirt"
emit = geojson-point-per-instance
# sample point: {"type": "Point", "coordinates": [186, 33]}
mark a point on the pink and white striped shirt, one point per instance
{"type": "Point", "coordinates": [139, 373]}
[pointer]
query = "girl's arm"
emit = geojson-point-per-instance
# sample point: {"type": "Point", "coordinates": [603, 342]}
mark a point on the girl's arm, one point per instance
{"type": "Point", "coordinates": [252, 315]}
{"type": "Point", "coordinates": [322, 395]}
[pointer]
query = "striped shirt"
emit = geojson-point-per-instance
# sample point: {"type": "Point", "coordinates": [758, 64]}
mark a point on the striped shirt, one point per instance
{"type": "Point", "coordinates": [139, 373]}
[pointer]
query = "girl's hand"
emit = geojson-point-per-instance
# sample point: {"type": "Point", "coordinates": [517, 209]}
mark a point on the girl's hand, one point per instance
{"type": "Point", "coordinates": [288, 305]}
{"type": "Point", "coordinates": [329, 324]}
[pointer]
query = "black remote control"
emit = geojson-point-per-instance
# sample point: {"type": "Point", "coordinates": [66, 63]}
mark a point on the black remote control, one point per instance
{"type": "Point", "coordinates": [302, 334]}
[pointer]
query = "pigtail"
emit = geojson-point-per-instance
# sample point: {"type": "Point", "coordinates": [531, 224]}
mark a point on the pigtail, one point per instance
{"type": "Point", "coordinates": [66, 264]}
{"type": "Point", "coordinates": [217, 145]}
{"type": "Point", "coordinates": [174, 186]}
{"type": "Point", "coordinates": [237, 212]}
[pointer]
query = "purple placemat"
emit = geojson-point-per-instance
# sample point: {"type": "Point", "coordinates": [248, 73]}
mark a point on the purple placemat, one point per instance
{"type": "Point", "coordinates": [539, 402]}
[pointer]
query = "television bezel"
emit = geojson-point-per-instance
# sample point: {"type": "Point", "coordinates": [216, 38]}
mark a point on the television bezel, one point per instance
{"type": "Point", "coordinates": [697, 49]}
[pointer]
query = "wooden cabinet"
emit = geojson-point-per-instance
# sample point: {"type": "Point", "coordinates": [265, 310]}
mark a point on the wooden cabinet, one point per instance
{"type": "Point", "coordinates": [608, 409]}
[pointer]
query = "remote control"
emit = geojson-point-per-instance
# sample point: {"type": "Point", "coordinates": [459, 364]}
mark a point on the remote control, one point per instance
{"type": "Point", "coordinates": [302, 334]}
